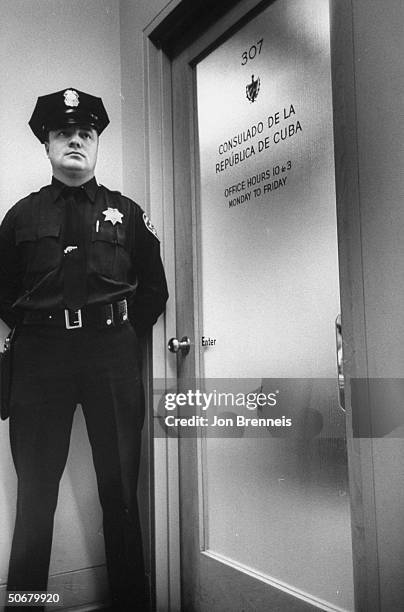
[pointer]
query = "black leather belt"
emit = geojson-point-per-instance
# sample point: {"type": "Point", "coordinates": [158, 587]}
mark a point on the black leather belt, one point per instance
{"type": "Point", "coordinates": [98, 315]}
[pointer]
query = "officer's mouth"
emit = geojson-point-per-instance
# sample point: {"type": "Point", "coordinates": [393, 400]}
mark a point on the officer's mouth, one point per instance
{"type": "Point", "coordinates": [74, 153]}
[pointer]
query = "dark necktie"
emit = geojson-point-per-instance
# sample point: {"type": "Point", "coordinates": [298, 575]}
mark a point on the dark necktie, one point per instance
{"type": "Point", "coordinates": [75, 277]}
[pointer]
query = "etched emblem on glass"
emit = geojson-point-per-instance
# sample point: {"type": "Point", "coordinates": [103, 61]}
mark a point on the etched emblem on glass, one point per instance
{"type": "Point", "coordinates": [252, 89]}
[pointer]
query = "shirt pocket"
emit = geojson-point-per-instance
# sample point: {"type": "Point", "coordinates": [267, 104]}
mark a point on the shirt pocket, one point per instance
{"type": "Point", "coordinates": [108, 254]}
{"type": "Point", "coordinates": [39, 248]}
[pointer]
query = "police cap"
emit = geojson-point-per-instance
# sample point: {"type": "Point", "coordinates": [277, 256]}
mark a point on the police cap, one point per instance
{"type": "Point", "coordinates": [67, 107]}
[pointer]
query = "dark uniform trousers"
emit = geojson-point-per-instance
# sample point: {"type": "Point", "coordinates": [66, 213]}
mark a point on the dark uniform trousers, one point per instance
{"type": "Point", "coordinates": [54, 370]}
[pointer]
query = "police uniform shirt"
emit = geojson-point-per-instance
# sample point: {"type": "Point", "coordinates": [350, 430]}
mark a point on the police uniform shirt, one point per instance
{"type": "Point", "coordinates": [118, 245]}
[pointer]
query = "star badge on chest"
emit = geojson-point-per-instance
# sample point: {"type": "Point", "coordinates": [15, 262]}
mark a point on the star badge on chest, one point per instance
{"type": "Point", "coordinates": [113, 215]}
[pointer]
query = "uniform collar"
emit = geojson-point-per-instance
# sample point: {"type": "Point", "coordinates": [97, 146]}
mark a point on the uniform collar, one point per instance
{"type": "Point", "coordinates": [90, 188]}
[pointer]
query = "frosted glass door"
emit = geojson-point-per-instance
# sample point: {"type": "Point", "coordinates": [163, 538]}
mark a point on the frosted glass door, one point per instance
{"type": "Point", "coordinates": [269, 297]}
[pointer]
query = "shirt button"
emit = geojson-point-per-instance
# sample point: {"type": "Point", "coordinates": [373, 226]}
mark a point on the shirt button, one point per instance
{"type": "Point", "coordinates": [109, 321]}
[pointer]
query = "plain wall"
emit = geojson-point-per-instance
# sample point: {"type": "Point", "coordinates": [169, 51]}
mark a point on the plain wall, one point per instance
{"type": "Point", "coordinates": [379, 86]}
{"type": "Point", "coordinates": [135, 17]}
{"type": "Point", "coordinates": [45, 46]}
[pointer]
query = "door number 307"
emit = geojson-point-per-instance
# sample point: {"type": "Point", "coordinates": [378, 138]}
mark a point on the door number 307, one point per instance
{"type": "Point", "coordinates": [252, 52]}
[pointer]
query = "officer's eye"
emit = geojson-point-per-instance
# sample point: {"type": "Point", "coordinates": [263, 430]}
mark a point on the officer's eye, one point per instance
{"type": "Point", "coordinates": [86, 135]}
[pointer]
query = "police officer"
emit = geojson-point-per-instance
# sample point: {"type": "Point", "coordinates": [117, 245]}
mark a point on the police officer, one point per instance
{"type": "Point", "coordinates": [80, 279]}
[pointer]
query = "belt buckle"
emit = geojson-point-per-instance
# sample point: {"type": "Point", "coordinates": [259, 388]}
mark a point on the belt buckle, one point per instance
{"type": "Point", "coordinates": [74, 323]}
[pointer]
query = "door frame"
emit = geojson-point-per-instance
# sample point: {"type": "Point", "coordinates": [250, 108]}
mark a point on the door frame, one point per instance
{"type": "Point", "coordinates": [160, 42]}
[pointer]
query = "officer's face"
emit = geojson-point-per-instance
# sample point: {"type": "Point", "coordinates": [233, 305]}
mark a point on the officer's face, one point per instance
{"type": "Point", "coordinates": [72, 152]}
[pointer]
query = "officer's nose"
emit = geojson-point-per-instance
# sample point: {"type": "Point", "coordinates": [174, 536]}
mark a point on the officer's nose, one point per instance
{"type": "Point", "coordinates": [75, 140]}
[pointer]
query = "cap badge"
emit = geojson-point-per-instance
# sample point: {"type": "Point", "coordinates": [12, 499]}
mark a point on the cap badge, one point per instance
{"type": "Point", "coordinates": [71, 97]}
{"type": "Point", "coordinates": [113, 215]}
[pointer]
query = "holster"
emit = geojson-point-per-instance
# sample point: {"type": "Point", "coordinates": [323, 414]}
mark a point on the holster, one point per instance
{"type": "Point", "coordinates": [6, 375]}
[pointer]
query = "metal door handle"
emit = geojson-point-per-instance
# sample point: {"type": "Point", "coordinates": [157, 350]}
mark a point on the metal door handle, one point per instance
{"type": "Point", "coordinates": [340, 364]}
{"type": "Point", "coordinates": [183, 345]}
